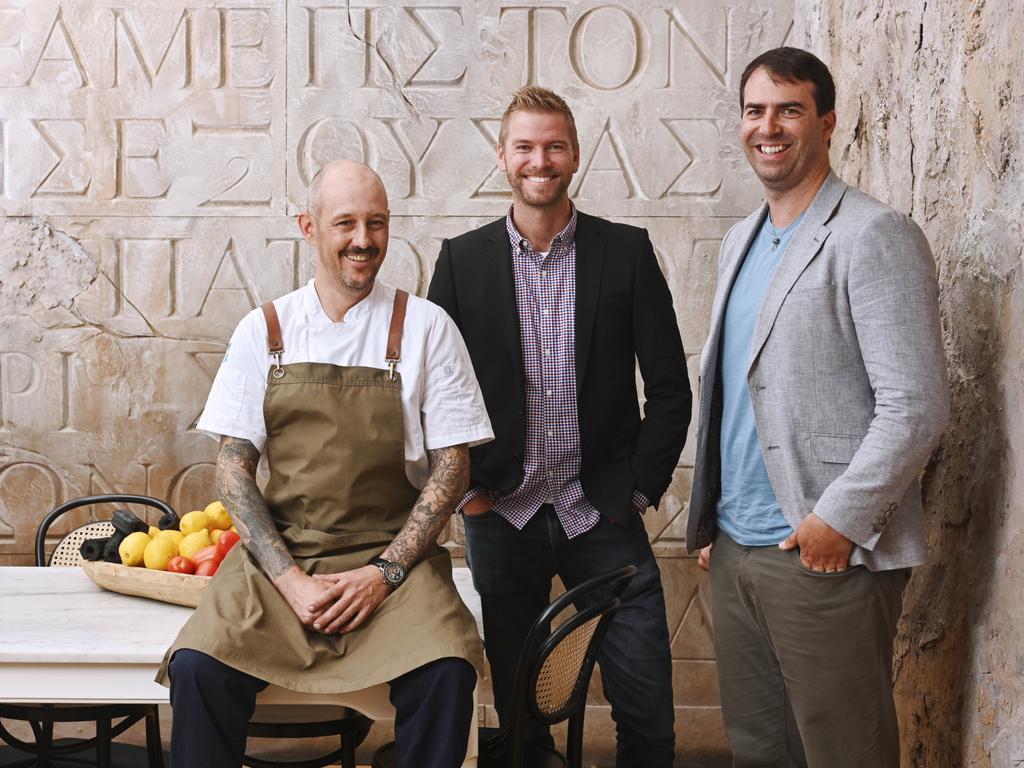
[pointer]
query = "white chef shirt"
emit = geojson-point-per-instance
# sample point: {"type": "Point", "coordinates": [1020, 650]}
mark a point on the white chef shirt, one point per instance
{"type": "Point", "coordinates": [441, 401]}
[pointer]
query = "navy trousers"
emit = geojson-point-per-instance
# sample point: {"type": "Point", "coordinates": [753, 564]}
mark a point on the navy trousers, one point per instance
{"type": "Point", "coordinates": [513, 570]}
{"type": "Point", "coordinates": [212, 704]}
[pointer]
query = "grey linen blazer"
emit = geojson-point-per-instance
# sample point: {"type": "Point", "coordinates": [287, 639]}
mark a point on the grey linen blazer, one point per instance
{"type": "Point", "coordinates": [847, 376]}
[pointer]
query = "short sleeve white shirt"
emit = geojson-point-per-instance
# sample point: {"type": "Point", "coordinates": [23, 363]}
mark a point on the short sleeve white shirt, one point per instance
{"type": "Point", "coordinates": [441, 400]}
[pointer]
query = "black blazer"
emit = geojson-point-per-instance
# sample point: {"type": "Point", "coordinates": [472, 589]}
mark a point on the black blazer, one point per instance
{"type": "Point", "coordinates": [623, 314]}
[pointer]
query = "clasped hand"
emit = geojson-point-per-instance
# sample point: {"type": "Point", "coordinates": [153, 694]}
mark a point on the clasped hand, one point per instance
{"type": "Point", "coordinates": [334, 603]}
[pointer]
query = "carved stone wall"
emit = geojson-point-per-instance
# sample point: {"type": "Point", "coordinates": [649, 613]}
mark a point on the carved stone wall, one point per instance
{"type": "Point", "coordinates": [930, 102]}
{"type": "Point", "coordinates": [153, 156]}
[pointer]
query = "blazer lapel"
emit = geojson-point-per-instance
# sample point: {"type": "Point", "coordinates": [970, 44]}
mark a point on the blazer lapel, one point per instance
{"type": "Point", "coordinates": [805, 245]}
{"type": "Point", "coordinates": [732, 261]}
{"type": "Point", "coordinates": [590, 250]}
{"type": "Point", "coordinates": [502, 295]}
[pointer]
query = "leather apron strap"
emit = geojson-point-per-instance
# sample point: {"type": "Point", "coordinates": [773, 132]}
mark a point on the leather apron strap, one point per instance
{"type": "Point", "coordinates": [275, 341]}
{"type": "Point", "coordinates": [394, 350]}
{"type": "Point", "coordinates": [393, 353]}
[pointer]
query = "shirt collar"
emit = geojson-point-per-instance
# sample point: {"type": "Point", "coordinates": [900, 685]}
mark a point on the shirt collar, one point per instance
{"type": "Point", "coordinates": [520, 244]}
{"type": "Point", "coordinates": [315, 311]}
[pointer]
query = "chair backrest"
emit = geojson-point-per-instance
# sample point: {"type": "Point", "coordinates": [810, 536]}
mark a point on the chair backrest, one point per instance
{"type": "Point", "coordinates": [67, 553]}
{"type": "Point", "coordinates": [554, 668]}
{"type": "Point", "coordinates": [90, 531]}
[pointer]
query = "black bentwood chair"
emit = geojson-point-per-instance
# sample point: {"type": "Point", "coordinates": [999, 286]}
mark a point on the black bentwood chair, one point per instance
{"type": "Point", "coordinates": [41, 717]}
{"type": "Point", "coordinates": [552, 678]}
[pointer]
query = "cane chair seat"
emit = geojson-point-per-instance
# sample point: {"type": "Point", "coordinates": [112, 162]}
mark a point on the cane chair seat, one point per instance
{"type": "Point", "coordinates": [560, 676]}
{"type": "Point", "coordinates": [67, 555]}
{"type": "Point", "coordinates": [552, 678]}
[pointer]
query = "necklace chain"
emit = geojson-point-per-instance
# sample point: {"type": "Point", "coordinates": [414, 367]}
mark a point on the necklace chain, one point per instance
{"type": "Point", "coordinates": [776, 233]}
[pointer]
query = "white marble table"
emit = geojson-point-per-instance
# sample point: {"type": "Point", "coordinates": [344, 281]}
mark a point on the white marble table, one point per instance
{"type": "Point", "coordinates": [65, 640]}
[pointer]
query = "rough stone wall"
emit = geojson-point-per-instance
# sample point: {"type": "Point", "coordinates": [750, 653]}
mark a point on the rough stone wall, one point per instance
{"type": "Point", "coordinates": [930, 103]}
{"type": "Point", "coordinates": [153, 155]}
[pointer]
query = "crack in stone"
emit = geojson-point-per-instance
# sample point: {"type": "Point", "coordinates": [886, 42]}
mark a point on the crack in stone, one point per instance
{"type": "Point", "coordinates": [384, 60]}
{"type": "Point", "coordinates": [102, 327]}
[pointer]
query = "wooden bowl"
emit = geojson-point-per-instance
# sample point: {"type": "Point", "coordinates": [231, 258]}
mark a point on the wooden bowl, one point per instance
{"type": "Point", "coordinates": [177, 588]}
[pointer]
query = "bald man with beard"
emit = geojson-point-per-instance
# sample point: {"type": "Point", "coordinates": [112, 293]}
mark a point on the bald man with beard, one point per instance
{"type": "Point", "coordinates": [361, 403]}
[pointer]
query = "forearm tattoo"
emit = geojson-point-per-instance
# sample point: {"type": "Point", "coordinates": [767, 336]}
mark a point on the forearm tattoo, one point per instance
{"type": "Point", "coordinates": [236, 487]}
{"type": "Point", "coordinates": [449, 478]}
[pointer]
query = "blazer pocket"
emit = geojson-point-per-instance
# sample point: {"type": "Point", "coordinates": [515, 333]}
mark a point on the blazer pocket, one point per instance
{"type": "Point", "coordinates": [835, 449]}
{"type": "Point", "coordinates": [811, 289]}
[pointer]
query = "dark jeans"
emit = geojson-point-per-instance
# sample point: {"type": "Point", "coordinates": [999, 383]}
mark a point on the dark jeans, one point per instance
{"type": "Point", "coordinates": [804, 659]}
{"type": "Point", "coordinates": [513, 571]}
{"type": "Point", "coordinates": [212, 704]}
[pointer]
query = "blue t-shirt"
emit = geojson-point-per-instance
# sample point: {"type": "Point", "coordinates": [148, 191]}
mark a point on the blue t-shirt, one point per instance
{"type": "Point", "coordinates": [748, 511]}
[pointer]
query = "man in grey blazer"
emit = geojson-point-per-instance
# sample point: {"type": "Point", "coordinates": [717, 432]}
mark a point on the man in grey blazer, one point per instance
{"type": "Point", "coordinates": [823, 393]}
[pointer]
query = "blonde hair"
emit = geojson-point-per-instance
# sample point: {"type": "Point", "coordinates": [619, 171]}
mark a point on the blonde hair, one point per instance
{"type": "Point", "coordinates": [533, 98]}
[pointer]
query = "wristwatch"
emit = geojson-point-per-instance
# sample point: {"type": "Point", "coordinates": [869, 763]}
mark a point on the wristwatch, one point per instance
{"type": "Point", "coordinates": [393, 573]}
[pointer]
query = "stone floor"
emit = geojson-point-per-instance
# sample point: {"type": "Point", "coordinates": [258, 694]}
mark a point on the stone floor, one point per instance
{"type": "Point", "coordinates": [128, 756]}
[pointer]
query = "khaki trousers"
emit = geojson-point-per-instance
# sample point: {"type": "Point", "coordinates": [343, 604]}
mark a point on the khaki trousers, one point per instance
{"type": "Point", "coordinates": [804, 659]}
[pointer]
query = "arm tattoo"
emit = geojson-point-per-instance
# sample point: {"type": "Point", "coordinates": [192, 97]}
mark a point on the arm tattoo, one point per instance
{"type": "Point", "coordinates": [236, 486]}
{"type": "Point", "coordinates": [449, 478]}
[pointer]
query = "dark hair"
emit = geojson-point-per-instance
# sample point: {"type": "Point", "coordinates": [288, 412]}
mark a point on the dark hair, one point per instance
{"type": "Point", "coordinates": [793, 65]}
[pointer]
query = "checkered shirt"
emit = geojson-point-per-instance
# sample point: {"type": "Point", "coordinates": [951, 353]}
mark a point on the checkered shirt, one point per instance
{"type": "Point", "coordinates": [545, 286]}
{"type": "Point", "coordinates": [546, 299]}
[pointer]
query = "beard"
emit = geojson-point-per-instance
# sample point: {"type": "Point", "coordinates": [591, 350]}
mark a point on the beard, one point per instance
{"type": "Point", "coordinates": [537, 196]}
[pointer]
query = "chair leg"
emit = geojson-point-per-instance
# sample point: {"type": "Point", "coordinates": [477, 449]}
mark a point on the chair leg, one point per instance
{"type": "Point", "coordinates": [154, 749]}
{"type": "Point", "coordinates": [103, 743]}
{"type": "Point", "coordinates": [44, 740]}
{"type": "Point", "coordinates": [574, 741]}
{"type": "Point", "coordinates": [348, 750]}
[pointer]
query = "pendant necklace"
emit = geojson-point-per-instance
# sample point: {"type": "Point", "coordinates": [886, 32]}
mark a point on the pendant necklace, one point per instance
{"type": "Point", "coordinates": [775, 234]}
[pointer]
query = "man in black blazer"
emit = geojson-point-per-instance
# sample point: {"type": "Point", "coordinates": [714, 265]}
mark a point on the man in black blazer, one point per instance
{"type": "Point", "coordinates": [556, 308]}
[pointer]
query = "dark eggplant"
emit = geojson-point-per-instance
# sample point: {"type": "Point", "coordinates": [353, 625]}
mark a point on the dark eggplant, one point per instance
{"type": "Point", "coordinates": [110, 553]}
{"type": "Point", "coordinates": [92, 549]}
{"type": "Point", "coordinates": [127, 522]}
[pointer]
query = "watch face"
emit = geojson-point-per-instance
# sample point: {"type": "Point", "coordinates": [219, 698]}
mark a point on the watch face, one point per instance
{"type": "Point", "coordinates": [394, 573]}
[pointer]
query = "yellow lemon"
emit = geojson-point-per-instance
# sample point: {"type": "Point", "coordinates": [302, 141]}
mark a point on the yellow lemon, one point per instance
{"type": "Point", "coordinates": [175, 536]}
{"type": "Point", "coordinates": [158, 552]}
{"type": "Point", "coordinates": [133, 547]}
{"type": "Point", "coordinates": [215, 534]}
{"type": "Point", "coordinates": [194, 542]}
{"type": "Point", "coordinates": [153, 532]}
{"type": "Point", "coordinates": [194, 521]}
{"type": "Point", "coordinates": [219, 517]}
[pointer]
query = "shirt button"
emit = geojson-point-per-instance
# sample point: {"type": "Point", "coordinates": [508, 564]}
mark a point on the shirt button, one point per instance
{"type": "Point", "coordinates": [544, 273]}
{"type": "Point", "coordinates": [551, 433]}
{"type": "Point", "coordinates": [551, 474]}
{"type": "Point", "coordinates": [547, 352]}
{"type": "Point", "coordinates": [544, 312]}
{"type": "Point", "coordinates": [548, 393]}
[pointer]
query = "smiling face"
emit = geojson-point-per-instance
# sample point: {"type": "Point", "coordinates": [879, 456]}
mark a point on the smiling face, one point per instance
{"type": "Point", "coordinates": [783, 136]}
{"type": "Point", "coordinates": [538, 157]}
{"type": "Point", "coordinates": [348, 228]}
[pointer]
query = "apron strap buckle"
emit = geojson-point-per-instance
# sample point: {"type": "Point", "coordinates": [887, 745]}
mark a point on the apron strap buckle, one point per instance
{"type": "Point", "coordinates": [394, 348]}
{"type": "Point", "coordinates": [275, 341]}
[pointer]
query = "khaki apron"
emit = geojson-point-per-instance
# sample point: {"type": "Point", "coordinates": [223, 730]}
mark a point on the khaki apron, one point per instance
{"type": "Point", "coordinates": [338, 494]}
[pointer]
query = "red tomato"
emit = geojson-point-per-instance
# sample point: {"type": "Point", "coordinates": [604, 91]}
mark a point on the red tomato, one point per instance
{"type": "Point", "coordinates": [181, 564]}
{"type": "Point", "coordinates": [226, 541]}
{"type": "Point", "coordinates": [207, 553]}
{"type": "Point", "coordinates": [207, 567]}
